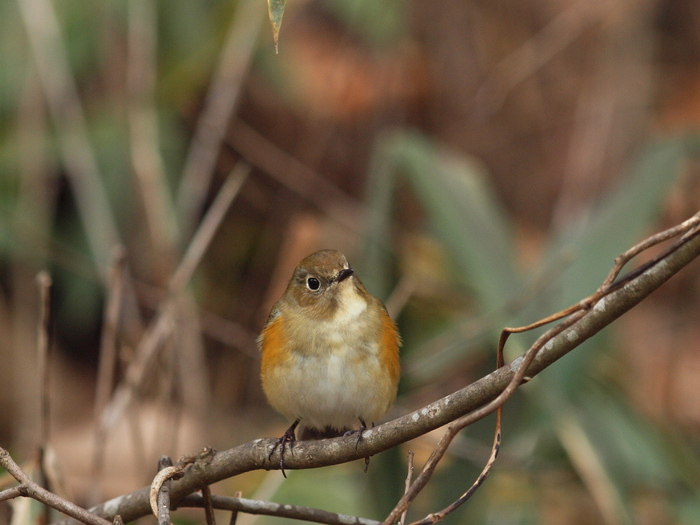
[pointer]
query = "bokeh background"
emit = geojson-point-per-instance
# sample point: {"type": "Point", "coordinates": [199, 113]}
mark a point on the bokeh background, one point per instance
{"type": "Point", "coordinates": [480, 163]}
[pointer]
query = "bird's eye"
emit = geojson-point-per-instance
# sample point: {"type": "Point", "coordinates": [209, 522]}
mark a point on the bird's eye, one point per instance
{"type": "Point", "coordinates": [312, 283]}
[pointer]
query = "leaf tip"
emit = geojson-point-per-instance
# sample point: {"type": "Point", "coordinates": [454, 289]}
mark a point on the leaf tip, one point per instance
{"type": "Point", "coordinates": [276, 11]}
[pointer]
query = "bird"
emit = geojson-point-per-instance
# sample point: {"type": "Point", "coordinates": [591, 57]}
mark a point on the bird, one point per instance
{"type": "Point", "coordinates": [330, 351]}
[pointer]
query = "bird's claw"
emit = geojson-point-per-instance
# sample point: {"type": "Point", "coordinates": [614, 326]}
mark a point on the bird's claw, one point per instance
{"type": "Point", "coordinates": [288, 437]}
{"type": "Point", "coordinates": [359, 431]}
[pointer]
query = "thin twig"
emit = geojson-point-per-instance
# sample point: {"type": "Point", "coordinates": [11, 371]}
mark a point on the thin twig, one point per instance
{"type": "Point", "coordinates": [400, 295]}
{"type": "Point", "coordinates": [590, 467]}
{"type": "Point", "coordinates": [208, 506]}
{"type": "Point", "coordinates": [407, 486]}
{"type": "Point", "coordinates": [213, 325]}
{"type": "Point", "coordinates": [163, 493]}
{"type": "Point", "coordinates": [267, 508]}
{"type": "Point", "coordinates": [554, 38]}
{"type": "Point", "coordinates": [296, 176]}
{"type": "Point", "coordinates": [219, 105]}
{"type": "Point", "coordinates": [44, 355]}
{"type": "Point", "coordinates": [30, 489]}
{"type": "Point", "coordinates": [209, 226]}
{"type": "Point", "coordinates": [440, 515]}
{"type": "Point", "coordinates": [170, 369]}
{"type": "Point", "coordinates": [686, 228]}
{"type": "Point", "coordinates": [161, 326]}
{"type": "Point", "coordinates": [456, 426]}
{"type": "Point", "coordinates": [110, 329]}
{"type": "Point", "coordinates": [107, 362]}
{"type": "Point", "coordinates": [234, 513]}
{"type": "Point", "coordinates": [621, 260]}
{"type": "Point", "coordinates": [485, 471]}
{"type": "Point", "coordinates": [44, 359]}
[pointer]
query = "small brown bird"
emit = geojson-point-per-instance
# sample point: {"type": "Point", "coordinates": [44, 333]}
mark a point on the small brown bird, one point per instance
{"type": "Point", "coordinates": [330, 351]}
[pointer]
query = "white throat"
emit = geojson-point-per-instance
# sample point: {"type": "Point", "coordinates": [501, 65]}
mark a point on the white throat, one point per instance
{"type": "Point", "coordinates": [350, 303]}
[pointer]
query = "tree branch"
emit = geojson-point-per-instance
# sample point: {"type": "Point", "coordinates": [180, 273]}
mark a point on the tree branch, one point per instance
{"type": "Point", "coordinates": [30, 489]}
{"type": "Point", "coordinates": [314, 454]}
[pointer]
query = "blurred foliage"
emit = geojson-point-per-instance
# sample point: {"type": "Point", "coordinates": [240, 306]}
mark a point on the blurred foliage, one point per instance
{"type": "Point", "coordinates": [570, 398]}
{"type": "Point", "coordinates": [448, 201]}
{"type": "Point", "coordinates": [379, 23]}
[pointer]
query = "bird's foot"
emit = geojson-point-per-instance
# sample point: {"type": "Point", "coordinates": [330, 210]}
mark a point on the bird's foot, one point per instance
{"type": "Point", "coordinates": [359, 431]}
{"type": "Point", "coordinates": [288, 437]}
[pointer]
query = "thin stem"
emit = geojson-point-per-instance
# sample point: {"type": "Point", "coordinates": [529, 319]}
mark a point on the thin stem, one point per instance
{"type": "Point", "coordinates": [219, 106]}
{"type": "Point", "coordinates": [66, 110]}
{"type": "Point", "coordinates": [161, 326]}
{"type": "Point", "coordinates": [208, 506]}
{"type": "Point", "coordinates": [200, 242]}
{"type": "Point", "coordinates": [107, 362]}
{"type": "Point", "coordinates": [409, 477]}
{"type": "Point", "coordinates": [43, 351]}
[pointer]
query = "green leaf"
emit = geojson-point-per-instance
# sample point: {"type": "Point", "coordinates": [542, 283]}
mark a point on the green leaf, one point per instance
{"type": "Point", "coordinates": [381, 185]}
{"type": "Point", "coordinates": [620, 219]}
{"type": "Point", "coordinates": [276, 10]}
{"type": "Point", "coordinates": [465, 215]}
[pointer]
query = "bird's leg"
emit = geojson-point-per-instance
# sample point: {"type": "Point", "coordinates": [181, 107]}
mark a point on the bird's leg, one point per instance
{"type": "Point", "coordinates": [363, 427]}
{"type": "Point", "coordinates": [288, 437]}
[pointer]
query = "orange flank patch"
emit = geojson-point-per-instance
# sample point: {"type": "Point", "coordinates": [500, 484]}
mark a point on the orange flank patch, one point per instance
{"type": "Point", "coordinates": [389, 343]}
{"type": "Point", "coordinates": [274, 345]}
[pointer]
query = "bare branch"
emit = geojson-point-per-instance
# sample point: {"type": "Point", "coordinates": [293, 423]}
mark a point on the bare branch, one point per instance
{"type": "Point", "coordinates": [470, 403]}
{"type": "Point", "coordinates": [276, 509]}
{"type": "Point", "coordinates": [30, 489]}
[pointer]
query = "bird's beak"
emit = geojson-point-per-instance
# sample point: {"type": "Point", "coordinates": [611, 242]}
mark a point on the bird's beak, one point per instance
{"type": "Point", "coordinates": [344, 274]}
